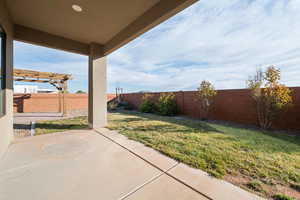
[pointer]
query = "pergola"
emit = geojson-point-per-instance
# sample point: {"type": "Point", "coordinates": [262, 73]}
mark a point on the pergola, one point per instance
{"type": "Point", "coordinates": [59, 81]}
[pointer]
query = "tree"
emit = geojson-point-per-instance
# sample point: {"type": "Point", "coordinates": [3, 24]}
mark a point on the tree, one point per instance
{"type": "Point", "coordinates": [271, 97]}
{"type": "Point", "coordinates": [206, 94]}
{"type": "Point", "coordinates": [80, 92]}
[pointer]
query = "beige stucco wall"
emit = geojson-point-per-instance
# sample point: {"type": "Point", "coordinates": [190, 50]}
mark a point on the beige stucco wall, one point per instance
{"type": "Point", "coordinates": [6, 122]}
{"type": "Point", "coordinates": [97, 115]}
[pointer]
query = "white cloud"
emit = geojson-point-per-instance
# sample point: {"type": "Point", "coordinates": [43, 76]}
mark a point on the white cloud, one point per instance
{"type": "Point", "coordinates": [231, 37]}
{"type": "Point", "coordinates": [223, 41]}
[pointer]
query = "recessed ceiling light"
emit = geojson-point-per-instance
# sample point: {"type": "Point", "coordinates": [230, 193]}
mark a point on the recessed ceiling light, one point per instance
{"type": "Point", "coordinates": [76, 8]}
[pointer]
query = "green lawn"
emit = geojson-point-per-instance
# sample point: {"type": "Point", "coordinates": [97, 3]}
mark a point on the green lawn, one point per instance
{"type": "Point", "coordinates": [267, 163]}
{"type": "Point", "coordinates": [45, 127]}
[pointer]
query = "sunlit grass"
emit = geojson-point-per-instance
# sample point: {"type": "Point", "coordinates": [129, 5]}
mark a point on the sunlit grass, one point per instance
{"type": "Point", "coordinates": [269, 157]}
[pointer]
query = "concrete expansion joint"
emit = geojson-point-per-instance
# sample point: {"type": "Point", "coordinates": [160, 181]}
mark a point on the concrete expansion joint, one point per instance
{"type": "Point", "coordinates": [147, 182]}
{"type": "Point", "coordinates": [163, 172]}
{"type": "Point", "coordinates": [129, 150]}
{"type": "Point", "coordinates": [187, 185]}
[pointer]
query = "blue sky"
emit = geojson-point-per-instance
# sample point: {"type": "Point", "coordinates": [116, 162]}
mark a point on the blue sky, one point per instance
{"type": "Point", "coordinates": [223, 41]}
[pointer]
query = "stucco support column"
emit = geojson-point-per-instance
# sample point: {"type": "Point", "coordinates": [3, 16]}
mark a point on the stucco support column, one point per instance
{"type": "Point", "coordinates": [97, 109]}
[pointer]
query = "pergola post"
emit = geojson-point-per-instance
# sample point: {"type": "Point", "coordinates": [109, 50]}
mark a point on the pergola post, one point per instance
{"type": "Point", "coordinates": [65, 89]}
{"type": "Point", "coordinates": [97, 109]}
{"type": "Point", "coordinates": [59, 101]}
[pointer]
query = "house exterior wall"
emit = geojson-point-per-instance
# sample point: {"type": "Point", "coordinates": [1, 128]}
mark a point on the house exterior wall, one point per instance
{"type": "Point", "coordinates": [6, 121]}
{"type": "Point", "coordinates": [229, 105]}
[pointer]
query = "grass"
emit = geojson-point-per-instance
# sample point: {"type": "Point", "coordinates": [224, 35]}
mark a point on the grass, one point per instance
{"type": "Point", "coordinates": [255, 186]}
{"type": "Point", "coordinates": [282, 197]}
{"type": "Point", "coordinates": [267, 157]}
{"type": "Point", "coordinates": [45, 127]}
{"type": "Point", "coordinates": [264, 159]}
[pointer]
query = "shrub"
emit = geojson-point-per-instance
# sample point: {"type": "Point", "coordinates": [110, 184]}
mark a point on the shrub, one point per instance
{"type": "Point", "coordinates": [271, 97]}
{"type": "Point", "coordinates": [206, 94]}
{"type": "Point", "coordinates": [148, 104]}
{"type": "Point", "coordinates": [166, 104]}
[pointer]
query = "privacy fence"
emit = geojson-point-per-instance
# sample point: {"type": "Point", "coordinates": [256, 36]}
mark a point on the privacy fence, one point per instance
{"type": "Point", "coordinates": [30, 103]}
{"type": "Point", "coordinates": [229, 105]}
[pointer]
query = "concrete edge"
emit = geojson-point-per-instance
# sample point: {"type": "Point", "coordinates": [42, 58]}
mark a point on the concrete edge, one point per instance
{"type": "Point", "coordinates": [226, 190]}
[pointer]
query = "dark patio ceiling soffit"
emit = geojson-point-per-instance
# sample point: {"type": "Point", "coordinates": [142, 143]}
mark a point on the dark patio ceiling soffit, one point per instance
{"type": "Point", "coordinates": [109, 23]}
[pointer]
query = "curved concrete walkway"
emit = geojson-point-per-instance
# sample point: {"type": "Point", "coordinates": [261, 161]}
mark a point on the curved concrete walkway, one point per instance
{"type": "Point", "coordinates": [101, 165]}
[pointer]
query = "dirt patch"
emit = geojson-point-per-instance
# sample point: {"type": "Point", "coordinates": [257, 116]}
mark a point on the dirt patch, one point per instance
{"type": "Point", "coordinates": [269, 190]}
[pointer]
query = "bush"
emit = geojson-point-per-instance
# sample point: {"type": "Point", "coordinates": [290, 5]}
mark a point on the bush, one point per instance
{"type": "Point", "coordinates": [148, 104]}
{"type": "Point", "coordinates": [166, 105]}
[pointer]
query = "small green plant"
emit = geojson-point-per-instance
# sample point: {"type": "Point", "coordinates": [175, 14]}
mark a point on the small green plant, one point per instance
{"type": "Point", "coordinates": [271, 97]}
{"type": "Point", "coordinates": [148, 104]}
{"type": "Point", "coordinates": [281, 197]}
{"type": "Point", "coordinates": [167, 105]}
{"type": "Point", "coordinates": [206, 94]}
{"type": "Point", "coordinates": [255, 186]}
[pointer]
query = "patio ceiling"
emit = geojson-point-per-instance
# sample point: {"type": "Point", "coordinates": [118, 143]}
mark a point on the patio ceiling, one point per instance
{"type": "Point", "coordinates": [109, 23]}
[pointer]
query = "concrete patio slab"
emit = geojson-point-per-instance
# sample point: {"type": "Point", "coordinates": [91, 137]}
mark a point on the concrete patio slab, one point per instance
{"type": "Point", "coordinates": [159, 160]}
{"type": "Point", "coordinates": [169, 188]}
{"type": "Point", "coordinates": [214, 188]}
{"type": "Point", "coordinates": [81, 165]}
{"type": "Point", "coordinates": [70, 165]}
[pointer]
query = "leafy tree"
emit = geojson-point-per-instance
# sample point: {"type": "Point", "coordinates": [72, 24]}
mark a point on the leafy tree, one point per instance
{"type": "Point", "coordinates": [206, 94]}
{"type": "Point", "coordinates": [271, 97]}
{"type": "Point", "coordinates": [166, 104]}
{"type": "Point", "coordinates": [80, 92]}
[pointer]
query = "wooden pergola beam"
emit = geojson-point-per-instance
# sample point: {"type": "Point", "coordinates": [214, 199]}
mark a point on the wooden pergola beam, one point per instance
{"type": "Point", "coordinates": [22, 73]}
{"type": "Point", "coordinates": [59, 81]}
{"type": "Point", "coordinates": [32, 80]}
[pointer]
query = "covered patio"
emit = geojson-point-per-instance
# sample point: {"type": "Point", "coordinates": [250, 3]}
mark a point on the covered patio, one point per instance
{"type": "Point", "coordinates": [93, 28]}
{"type": "Point", "coordinates": [95, 163]}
